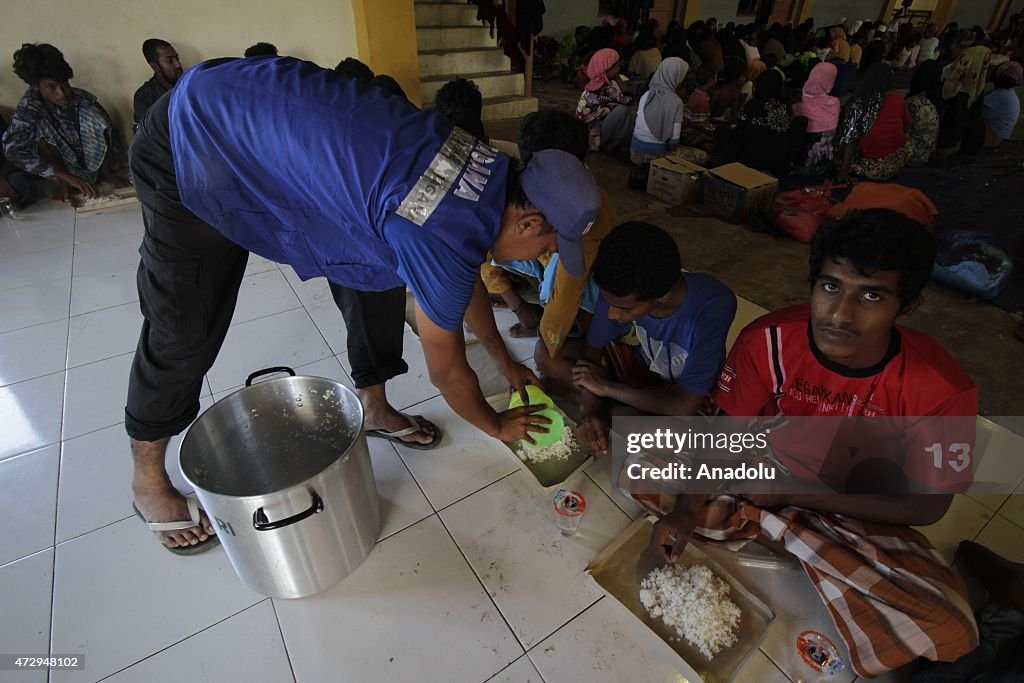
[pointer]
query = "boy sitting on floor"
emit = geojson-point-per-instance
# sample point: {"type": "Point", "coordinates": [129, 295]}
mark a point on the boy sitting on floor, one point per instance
{"type": "Point", "coordinates": [681, 320]}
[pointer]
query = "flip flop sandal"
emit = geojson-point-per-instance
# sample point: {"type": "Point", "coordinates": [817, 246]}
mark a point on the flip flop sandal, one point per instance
{"type": "Point", "coordinates": [414, 426]}
{"type": "Point", "coordinates": [520, 331]}
{"type": "Point", "coordinates": [193, 521]}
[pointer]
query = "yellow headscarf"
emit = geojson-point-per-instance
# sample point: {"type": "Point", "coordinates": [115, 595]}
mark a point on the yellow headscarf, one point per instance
{"type": "Point", "coordinates": [968, 74]}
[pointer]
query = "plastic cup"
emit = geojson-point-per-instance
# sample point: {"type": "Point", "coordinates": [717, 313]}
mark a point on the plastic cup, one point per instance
{"type": "Point", "coordinates": [569, 509]}
{"type": "Point", "coordinates": [816, 658]}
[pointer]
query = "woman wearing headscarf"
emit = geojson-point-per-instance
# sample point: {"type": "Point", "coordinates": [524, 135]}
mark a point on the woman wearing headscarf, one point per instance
{"type": "Point", "coordinates": [1001, 108]}
{"type": "Point", "coordinates": [963, 87]}
{"type": "Point", "coordinates": [765, 136]}
{"type": "Point", "coordinates": [659, 115]}
{"type": "Point", "coordinates": [822, 113]}
{"type": "Point", "coordinates": [840, 45]}
{"type": "Point", "coordinates": [924, 102]}
{"type": "Point", "coordinates": [602, 106]}
{"type": "Point", "coordinates": [872, 128]}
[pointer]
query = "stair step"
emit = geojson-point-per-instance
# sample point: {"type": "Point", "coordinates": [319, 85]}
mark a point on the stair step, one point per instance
{"type": "Point", "coordinates": [494, 84]}
{"type": "Point", "coordinates": [467, 60]}
{"type": "Point", "coordinates": [445, 14]}
{"type": "Point", "coordinates": [453, 37]}
{"type": "Point", "coordinates": [508, 107]}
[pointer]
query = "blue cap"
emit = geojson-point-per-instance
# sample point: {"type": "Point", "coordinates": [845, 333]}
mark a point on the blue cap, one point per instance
{"type": "Point", "coordinates": [562, 189]}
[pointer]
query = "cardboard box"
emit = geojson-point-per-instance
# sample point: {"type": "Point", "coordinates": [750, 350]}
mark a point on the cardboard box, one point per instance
{"type": "Point", "coordinates": [733, 190]}
{"type": "Point", "coordinates": [674, 180]}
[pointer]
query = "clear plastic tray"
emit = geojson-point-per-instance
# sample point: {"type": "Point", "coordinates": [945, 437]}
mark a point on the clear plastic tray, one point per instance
{"type": "Point", "coordinates": [620, 568]}
{"type": "Point", "coordinates": [549, 474]}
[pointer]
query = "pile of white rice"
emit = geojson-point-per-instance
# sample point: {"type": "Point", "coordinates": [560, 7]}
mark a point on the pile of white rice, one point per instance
{"type": "Point", "coordinates": [695, 604]}
{"type": "Point", "coordinates": [561, 450]}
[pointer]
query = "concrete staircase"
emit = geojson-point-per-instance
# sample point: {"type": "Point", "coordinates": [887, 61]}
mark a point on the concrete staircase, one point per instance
{"type": "Point", "coordinates": [451, 42]}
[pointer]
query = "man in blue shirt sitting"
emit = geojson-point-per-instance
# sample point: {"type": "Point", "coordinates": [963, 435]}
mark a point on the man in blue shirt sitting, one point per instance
{"type": "Point", "coordinates": [339, 179]}
{"type": "Point", "coordinates": [681, 321]}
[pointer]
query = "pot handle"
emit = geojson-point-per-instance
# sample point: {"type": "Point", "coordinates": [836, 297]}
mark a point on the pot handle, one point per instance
{"type": "Point", "coordinates": [268, 371]}
{"type": "Point", "coordinates": [261, 523]}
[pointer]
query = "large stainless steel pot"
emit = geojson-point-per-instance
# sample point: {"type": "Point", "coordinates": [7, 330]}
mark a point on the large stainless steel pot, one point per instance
{"type": "Point", "coordinates": [283, 471]}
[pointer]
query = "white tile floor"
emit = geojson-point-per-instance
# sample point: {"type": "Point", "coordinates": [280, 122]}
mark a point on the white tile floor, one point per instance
{"type": "Point", "coordinates": [470, 581]}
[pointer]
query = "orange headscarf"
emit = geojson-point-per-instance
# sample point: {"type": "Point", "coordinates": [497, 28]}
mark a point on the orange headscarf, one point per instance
{"type": "Point", "coordinates": [600, 64]}
{"type": "Point", "coordinates": [840, 46]}
{"type": "Point", "coordinates": [754, 71]}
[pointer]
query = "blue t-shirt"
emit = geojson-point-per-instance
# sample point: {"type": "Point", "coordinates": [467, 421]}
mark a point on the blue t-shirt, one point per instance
{"type": "Point", "coordinates": [303, 166]}
{"type": "Point", "coordinates": [688, 347]}
{"type": "Point", "coordinates": [1002, 111]}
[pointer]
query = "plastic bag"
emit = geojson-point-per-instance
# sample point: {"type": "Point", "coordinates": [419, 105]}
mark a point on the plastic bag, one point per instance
{"type": "Point", "coordinates": [799, 213]}
{"type": "Point", "coordinates": [970, 263]}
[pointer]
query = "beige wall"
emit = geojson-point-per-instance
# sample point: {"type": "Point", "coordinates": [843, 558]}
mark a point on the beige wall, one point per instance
{"type": "Point", "coordinates": [102, 39]}
{"type": "Point", "coordinates": [386, 40]}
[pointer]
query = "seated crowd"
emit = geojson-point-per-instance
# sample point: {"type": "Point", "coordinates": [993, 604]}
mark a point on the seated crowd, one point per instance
{"type": "Point", "coordinates": [829, 106]}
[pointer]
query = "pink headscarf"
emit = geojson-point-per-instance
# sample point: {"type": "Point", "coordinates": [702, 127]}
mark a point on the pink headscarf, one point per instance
{"type": "Point", "coordinates": [600, 64]}
{"type": "Point", "coordinates": [820, 108]}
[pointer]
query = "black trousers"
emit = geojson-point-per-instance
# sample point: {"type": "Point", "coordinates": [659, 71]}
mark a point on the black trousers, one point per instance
{"type": "Point", "coordinates": [376, 327]}
{"type": "Point", "coordinates": [188, 281]}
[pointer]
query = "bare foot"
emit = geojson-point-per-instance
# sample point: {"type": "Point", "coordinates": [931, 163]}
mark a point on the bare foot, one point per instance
{"type": "Point", "coordinates": [63, 193]}
{"type": "Point", "coordinates": [529, 316]}
{"type": "Point", "coordinates": [168, 505]}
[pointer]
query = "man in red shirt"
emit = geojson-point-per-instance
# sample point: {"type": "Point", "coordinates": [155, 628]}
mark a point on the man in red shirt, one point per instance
{"type": "Point", "coordinates": [891, 595]}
